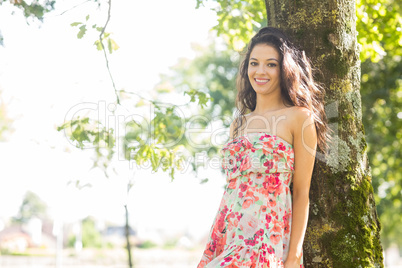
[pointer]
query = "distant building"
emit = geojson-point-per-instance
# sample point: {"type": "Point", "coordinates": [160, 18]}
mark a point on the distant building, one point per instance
{"type": "Point", "coordinates": [116, 235]}
{"type": "Point", "coordinates": [15, 239]}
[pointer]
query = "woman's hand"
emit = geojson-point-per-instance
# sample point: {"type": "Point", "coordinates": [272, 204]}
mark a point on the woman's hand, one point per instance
{"type": "Point", "coordinates": [292, 263]}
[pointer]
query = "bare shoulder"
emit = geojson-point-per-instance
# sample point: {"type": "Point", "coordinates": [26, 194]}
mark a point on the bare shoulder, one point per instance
{"type": "Point", "coordinates": [300, 112]}
{"type": "Point", "coordinates": [300, 116]}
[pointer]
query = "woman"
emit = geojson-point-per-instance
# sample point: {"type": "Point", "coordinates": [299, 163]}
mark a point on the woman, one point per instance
{"type": "Point", "coordinates": [260, 221]}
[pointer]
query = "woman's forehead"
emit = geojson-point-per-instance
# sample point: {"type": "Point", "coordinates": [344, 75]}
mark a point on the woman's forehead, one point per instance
{"type": "Point", "coordinates": [264, 52]}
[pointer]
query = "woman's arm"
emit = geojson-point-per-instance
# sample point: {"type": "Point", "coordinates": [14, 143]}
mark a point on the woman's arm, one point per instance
{"type": "Point", "coordinates": [304, 144]}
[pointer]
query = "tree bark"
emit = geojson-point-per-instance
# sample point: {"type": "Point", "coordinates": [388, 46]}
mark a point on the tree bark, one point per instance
{"type": "Point", "coordinates": [343, 228]}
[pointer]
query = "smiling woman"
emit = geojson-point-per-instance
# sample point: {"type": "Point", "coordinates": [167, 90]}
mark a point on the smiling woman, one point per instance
{"type": "Point", "coordinates": [261, 222]}
{"type": "Point", "coordinates": [264, 70]}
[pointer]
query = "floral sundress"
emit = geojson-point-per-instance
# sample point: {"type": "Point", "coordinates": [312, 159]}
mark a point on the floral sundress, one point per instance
{"type": "Point", "coordinates": [253, 223]}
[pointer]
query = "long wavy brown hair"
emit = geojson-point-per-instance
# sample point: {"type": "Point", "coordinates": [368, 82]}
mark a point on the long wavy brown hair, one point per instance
{"type": "Point", "coordinates": [297, 83]}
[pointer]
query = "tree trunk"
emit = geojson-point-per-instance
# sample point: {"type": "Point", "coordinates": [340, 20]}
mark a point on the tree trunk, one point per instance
{"type": "Point", "coordinates": [127, 229]}
{"type": "Point", "coordinates": [343, 228]}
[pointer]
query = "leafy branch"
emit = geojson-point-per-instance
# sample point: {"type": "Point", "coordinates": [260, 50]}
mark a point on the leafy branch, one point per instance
{"type": "Point", "coordinates": [111, 45]}
{"type": "Point", "coordinates": [86, 133]}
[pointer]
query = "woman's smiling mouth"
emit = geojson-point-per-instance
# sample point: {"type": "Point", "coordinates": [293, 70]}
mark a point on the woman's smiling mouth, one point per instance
{"type": "Point", "coordinates": [261, 81]}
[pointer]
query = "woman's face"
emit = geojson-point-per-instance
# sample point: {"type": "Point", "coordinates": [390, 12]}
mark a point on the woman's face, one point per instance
{"type": "Point", "coordinates": [263, 69]}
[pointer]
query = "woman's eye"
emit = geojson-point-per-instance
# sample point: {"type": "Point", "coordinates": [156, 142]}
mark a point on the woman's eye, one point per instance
{"type": "Point", "coordinates": [271, 64]}
{"type": "Point", "coordinates": [253, 63]}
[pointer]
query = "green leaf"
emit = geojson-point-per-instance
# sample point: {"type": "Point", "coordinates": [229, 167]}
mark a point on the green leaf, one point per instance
{"type": "Point", "coordinates": [172, 173]}
{"type": "Point", "coordinates": [98, 45]}
{"type": "Point", "coordinates": [112, 45]}
{"type": "Point", "coordinates": [75, 24]}
{"type": "Point", "coordinates": [204, 181]}
{"type": "Point", "coordinates": [82, 31]}
{"type": "Point", "coordinates": [109, 46]}
{"type": "Point", "coordinates": [87, 17]}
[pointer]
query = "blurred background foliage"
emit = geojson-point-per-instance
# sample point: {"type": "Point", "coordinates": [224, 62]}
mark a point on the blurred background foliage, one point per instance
{"type": "Point", "coordinates": [214, 69]}
{"type": "Point", "coordinates": [380, 33]}
{"type": "Point", "coordinates": [32, 206]}
{"type": "Point", "coordinates": [91, 237]}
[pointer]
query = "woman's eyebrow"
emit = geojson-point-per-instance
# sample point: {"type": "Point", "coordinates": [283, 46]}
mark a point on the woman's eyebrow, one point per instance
{"type": "Point", "coordinates": [266, 60]}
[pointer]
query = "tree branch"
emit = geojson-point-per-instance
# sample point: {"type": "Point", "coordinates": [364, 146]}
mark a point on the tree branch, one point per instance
{"type": "Point", "coordinates": [67, 10]}
{"type": "Point", "coordinates": [104, 51]}
{"type": "Point", "coordinates": [155, 101]}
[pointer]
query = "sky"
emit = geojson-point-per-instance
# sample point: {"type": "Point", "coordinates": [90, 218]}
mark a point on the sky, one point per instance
{"type": "Point", "coordinates": [46, 73]}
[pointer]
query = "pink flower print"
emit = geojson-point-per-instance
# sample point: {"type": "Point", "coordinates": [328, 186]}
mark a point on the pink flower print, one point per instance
{"type": "Point", "coordinates": [243, 187]}
{"type": "Point", "coordinates": [263, 208]}
{"type": "Point", "coordinates": [248, 224]}
{"type": "Point", "coordinates": [260, 232]}
{"type": "Point", "coordinates": [249, 242]}
{"type": "Point", "coordinates": [247, 203]}
{"type": "Point", "coordinates": [282, 147]}
{"type": "Point", "coordinates": [275, 238]}
{"type": "Point", "coordinates": [253, 223]}
{"type": "Point", "coordinates": [249, 145]}
{"type": "Point", "coordinates": [237, 147]}
{"type": "Point", "coordinates": [232, 153]}
{"type": "Point", "coordinates": [220, 245]}
{"type": "Point", "coordinates": [273, 181]}
{"type": "Point", "coordinates": [273, 214]}
{"type": "Point", "coordinates": [263, 136]}
{"type": "Point", "coordinates": [287, 181]}
{"type": "Point", "coordinates": [279, 190]}
{"type": "Point", "coordinates": [250, 199]}
{"type": "Point", "coordinates": [276, 228]}
{"type": "Point", "coordinates": [286, 222]}
{"type": "Point", "coordinates": [234, 169]}
{"type": "Point", "coordinates": [268, 218]}
{"type": "Point", "coordinates": [246, 164]}
{"type": "Point", "coordinates": [231, 162]}
{"type": "Point", "coordinates": [232, 184]}
{"type": "Point", "coordinates": [262, 258]}
{"type": "Point", "coordinates": [269, 144]}
{"type": "Point", "coordinates": [228, 258]}
{"type": "Point", "coordinates": [271, 202]}
{"type": "Point", "coordinates": [269, 164]}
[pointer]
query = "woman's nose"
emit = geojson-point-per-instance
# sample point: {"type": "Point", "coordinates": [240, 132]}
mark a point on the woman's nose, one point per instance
{"type": "Point", "coordinates": [260, 70]}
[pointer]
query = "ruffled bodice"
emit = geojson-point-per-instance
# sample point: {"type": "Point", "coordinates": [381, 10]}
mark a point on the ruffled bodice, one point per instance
{"type": "Point", "coordinates": [257, 153]}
